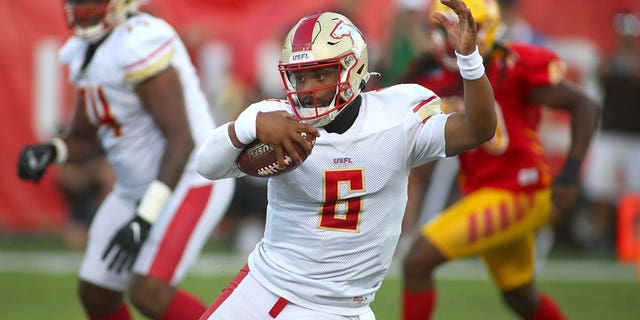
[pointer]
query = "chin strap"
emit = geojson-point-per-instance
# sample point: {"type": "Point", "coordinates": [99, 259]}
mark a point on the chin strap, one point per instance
{"type": "Point", "coordinates": [366, 78]}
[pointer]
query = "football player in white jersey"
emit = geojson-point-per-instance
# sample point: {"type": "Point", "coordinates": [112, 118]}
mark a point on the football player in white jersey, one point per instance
{"type": "Point", "coordinates": [333, 223]}
{"type": "Point", "coordinates": [140, 104]}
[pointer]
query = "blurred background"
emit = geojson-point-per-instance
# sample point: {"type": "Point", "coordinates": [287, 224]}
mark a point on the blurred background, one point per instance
{"type": "Point", "coordinates": [235, 44]}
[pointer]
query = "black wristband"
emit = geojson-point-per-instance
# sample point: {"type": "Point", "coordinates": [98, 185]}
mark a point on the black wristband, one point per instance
{"type": "Point", "coordinates": [570, 173]}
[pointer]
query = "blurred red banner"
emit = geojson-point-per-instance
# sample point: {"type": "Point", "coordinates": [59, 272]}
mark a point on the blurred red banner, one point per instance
{"type": "Point", "coordinates": [35, 93]}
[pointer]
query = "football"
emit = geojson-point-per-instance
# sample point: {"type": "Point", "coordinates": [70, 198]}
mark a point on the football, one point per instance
{"type": "Point", "coordinates": [259, 160]}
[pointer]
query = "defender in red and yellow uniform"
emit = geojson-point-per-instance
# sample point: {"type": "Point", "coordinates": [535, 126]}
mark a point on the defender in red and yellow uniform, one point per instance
{"type": "Point", "coordinates": [508, 189]}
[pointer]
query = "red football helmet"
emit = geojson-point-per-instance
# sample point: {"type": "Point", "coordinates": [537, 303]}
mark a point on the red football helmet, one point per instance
{"type": "Point", "coordinates": [91, 19]}
{"type": "Point", "coordinates": [320, 40]}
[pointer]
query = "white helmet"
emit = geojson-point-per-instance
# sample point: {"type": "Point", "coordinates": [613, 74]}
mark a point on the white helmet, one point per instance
{"type": "Point", "coordinates": [91, 20]}
{"type": "Point", "coordinates": [320, 40]}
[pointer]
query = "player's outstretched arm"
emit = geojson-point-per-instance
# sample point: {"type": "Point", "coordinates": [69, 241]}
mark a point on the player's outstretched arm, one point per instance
{"type": "Point", "coordinates": [477, 125]}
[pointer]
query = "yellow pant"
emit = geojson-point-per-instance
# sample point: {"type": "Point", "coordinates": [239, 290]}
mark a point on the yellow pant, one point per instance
{"type": "Point", "coordinates": [498, 225]}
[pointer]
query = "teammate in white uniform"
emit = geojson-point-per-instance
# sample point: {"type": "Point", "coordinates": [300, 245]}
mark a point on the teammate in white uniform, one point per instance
{"type": "Point", "coordinates": [333, 223]}
{"type": "Point", "coordinates": [139, 95]}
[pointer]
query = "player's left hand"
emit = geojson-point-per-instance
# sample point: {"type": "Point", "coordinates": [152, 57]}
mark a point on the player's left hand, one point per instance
{"type": "Point", "coordinates": [461, 28]}
{"type": "Point", "coordinates": [126, 244]}
{"type": "Point", "coordinates": [34, 160]}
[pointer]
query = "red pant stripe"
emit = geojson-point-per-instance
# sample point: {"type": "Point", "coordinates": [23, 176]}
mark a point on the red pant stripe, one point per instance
{"type": "Point", "coordinates": [226, 292]}
{"type": "Point", "coordinates": [277, 307]}
{"type": "Point", "coordinates": [176, 237]}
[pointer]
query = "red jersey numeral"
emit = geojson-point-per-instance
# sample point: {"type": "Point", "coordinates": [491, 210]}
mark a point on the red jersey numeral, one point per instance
{"type": "Point", "coordinates": [338, 213]}
{"type": "Point", "coordinates": [97, 104]}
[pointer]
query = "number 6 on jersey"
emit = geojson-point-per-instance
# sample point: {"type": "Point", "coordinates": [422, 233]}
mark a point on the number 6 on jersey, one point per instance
{"type": "Point", "coordinates": [338, 213]}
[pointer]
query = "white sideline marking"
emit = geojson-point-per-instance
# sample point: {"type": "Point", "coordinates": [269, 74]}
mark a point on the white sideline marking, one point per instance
{"type": "Point", "coordinates": [69, 262]}
{"type": "Point", "coordinates": [209, 264]}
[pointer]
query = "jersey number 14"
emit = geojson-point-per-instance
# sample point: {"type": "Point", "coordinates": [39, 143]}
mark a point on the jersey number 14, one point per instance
{"type": "Point", "coordinates": [98, 108]}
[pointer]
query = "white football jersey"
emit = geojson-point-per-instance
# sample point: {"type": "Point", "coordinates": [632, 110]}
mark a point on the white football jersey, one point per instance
{"type": "Point", "coordinates": [134, 51]}
{"type": "Point", "coordinates": [333, 223]}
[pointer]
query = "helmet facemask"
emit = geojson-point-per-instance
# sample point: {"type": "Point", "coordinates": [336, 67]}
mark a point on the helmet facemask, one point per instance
{"type": "Point", "coordinates": [316, 106]}
{"type": "Point", "coordinates": [320, 42]}
{"type": "Point", "coordinates": [91, 20]}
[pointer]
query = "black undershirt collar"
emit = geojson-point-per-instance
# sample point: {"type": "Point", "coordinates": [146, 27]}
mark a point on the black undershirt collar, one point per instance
{"type": "Point", "coordinates": [91, 50]}
{"type": "Point", "coordinates": [346, 118]}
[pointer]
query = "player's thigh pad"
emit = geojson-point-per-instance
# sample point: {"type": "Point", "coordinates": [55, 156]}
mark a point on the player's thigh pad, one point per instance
{"type": "Point", "coordinates": [195, 208]}
{"type": "Point", "coordinates": [487, 218]}
{"type": "Point", "coordinates": [116, 210]}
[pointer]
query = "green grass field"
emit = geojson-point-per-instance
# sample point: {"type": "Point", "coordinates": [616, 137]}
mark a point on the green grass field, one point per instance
{"type": "Point", "coordinates": [36, 288]}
